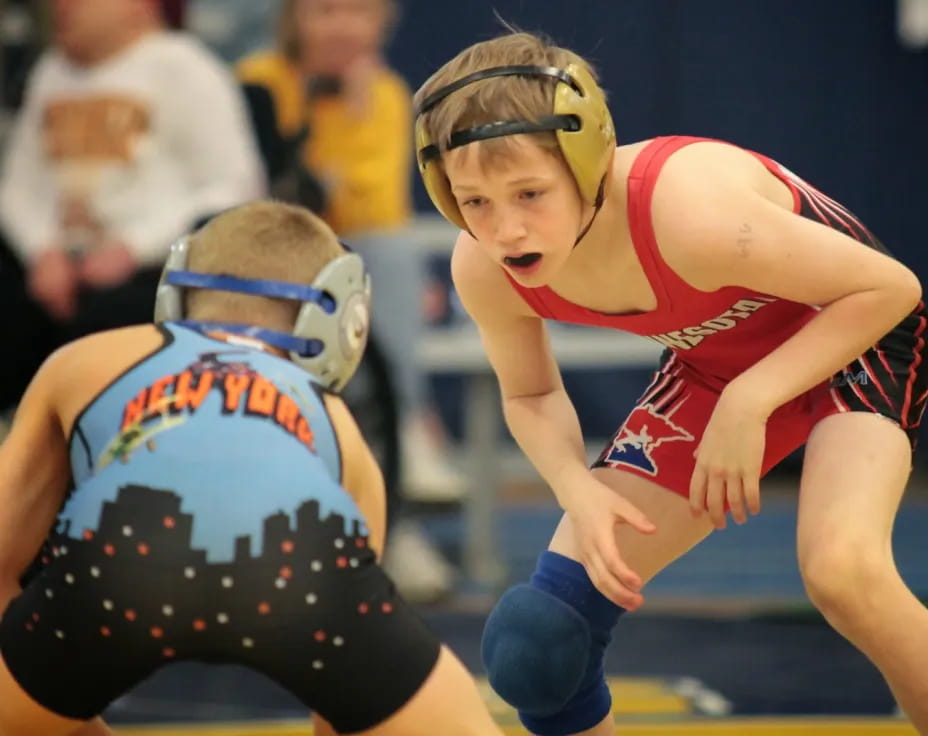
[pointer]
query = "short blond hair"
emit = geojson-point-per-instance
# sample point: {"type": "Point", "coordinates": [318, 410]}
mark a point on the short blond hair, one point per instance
{"type": "Point", "coordinates": [497, 98]}
{"type": "Point", "coordinates": [264, 239]}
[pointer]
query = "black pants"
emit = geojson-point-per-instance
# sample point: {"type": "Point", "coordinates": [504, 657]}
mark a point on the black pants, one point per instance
{"type": "Point", "coordinates": [29, 334]}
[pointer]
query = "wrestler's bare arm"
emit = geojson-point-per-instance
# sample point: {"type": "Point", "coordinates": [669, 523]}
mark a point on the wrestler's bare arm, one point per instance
{"type": "Point", "coordinates": [34, 473]}
{"type": "Point", "coordinates": [361, 475]}
{"type": "Point", "coordinates": [735, 233]}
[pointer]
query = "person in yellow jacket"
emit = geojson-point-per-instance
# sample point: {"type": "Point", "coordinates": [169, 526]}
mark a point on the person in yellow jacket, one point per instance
{"type": "Point", "coordinates": [334, 123]}
{"type": "Point", "coordinates": [330, 89]}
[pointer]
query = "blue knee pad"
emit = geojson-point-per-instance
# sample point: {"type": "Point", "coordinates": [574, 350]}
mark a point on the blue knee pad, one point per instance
{"type": "Point", "coordinates": [543, 647]}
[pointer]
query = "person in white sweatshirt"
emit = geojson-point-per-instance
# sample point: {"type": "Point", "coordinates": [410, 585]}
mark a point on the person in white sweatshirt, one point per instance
{"type": "Point", "coordinates": [129, 135]}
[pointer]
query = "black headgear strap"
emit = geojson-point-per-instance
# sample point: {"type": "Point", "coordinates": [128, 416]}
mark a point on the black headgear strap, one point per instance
{"type": "Point", "coordinates": [507, 127]}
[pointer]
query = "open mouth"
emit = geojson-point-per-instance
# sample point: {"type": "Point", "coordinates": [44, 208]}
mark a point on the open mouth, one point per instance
{"type": "Point", "coordinates": [523, 261]}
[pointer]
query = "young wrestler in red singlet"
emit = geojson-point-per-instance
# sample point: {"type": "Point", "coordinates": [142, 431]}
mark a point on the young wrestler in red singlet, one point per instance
{"type": "Point", "coordinates": [786, 323]}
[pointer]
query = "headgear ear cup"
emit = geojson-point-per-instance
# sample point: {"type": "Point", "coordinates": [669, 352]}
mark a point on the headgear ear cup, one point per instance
{"type": "Point", "coordinates": [588, 151]}
{"type": "Point", "coordinates": [335, 314]}
{"type": "Point", "coordinates": [343, 332]}
{"type": "Point", "coordinates": [434, 179]}
{"type": "Point", "coordinates": [169, 299]}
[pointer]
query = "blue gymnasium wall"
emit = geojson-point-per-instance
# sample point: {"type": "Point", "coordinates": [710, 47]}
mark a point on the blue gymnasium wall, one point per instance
{"type": "Point", "coordinates": [824, 86]}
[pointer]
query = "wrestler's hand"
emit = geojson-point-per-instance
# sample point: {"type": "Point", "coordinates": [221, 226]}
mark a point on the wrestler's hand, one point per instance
{"type": "Point", "coordinates": [108, 265]}
{"type": "Point", "coordinates": [594, 510]}
{"type": "Point", "coordinates": [728, 463]}
{"type": "Point", "coordinates": [53, 283]}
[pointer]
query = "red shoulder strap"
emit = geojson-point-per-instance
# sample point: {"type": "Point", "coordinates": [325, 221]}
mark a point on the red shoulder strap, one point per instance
{"type": "Point", "coordinates": [641, 181]}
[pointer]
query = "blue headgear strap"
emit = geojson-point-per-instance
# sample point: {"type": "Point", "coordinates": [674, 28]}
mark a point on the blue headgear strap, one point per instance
{"type": "Point", "coordinates": [304, 347]}
{"type": "Point", "coordinates": [255, 287]}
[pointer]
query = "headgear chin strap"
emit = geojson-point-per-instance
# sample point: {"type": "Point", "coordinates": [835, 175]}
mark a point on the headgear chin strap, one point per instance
{"type": "Point", "coordinates": [331, 328]}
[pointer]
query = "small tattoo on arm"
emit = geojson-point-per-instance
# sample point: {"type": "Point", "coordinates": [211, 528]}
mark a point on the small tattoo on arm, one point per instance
{"type": "Point", "coordinates": [744, 239]}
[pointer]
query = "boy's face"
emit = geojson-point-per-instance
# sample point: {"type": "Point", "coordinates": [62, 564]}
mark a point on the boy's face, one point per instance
{"type": "Point", "coordinates": [524, 208]}
{"type": "Point", "coordinates": [337, 32]}
{"type": "Point", "coordinates": [82, 26]}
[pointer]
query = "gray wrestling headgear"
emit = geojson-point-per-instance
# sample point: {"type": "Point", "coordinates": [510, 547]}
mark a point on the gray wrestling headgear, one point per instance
{"type": "Point", "coordinates": [331, 328]}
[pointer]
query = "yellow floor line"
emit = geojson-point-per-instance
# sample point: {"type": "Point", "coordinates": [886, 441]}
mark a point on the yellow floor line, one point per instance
{"type": "Point", "coordinates": [643, 707]}
{"type": "Point", "coordinates": [630, 697]}
{"type": "Point", "coordinates": [741, 726]}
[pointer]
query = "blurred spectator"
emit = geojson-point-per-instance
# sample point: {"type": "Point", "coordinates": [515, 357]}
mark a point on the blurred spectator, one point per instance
{"type": "Point", "coordinates": [128, 136]}
{"type": "Point", "coordinates": [328, 75]}
{"type": "Point", "coordinates": [334, 123]}
{"type": "Point", "coordinates": [331, 97]}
